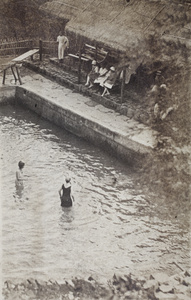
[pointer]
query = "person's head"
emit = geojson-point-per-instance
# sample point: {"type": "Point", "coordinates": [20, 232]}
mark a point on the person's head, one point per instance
{"type": "Point", "coordinates": [60, 33]}
{"type": "Point", "coordinates": [94, 63]}
{"type": "Point", "coordinates": [112, 69]}
{"type": "Point", "coordinates": [67, 179]}
{"type": "Point", "coordinates": [21, 164]}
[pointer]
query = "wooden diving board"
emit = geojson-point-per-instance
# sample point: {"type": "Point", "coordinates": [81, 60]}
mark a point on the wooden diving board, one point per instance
{"type": "Point", "coordinates": [25, 55]}
{"type": "Point", "coordinates": [13, 63]}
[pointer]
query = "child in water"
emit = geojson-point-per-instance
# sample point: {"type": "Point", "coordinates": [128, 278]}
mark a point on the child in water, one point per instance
{"type": "Point", "coordinates": [65, 193]}
{"type": "Point", "coordinates": [19, 175]}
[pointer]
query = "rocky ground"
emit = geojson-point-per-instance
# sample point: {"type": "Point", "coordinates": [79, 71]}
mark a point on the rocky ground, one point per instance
{"type": "Point", "coordinates": [157, 287]}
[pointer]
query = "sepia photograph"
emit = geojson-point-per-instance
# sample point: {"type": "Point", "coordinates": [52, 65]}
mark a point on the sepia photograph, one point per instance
{"type": "Point", "coordinates": [95, 168]}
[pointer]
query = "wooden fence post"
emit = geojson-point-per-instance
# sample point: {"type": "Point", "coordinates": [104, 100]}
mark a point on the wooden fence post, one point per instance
{"type": "Point", "coordinates": [40, 49]}
{"type": "Point", "coordinates": [80, 61]}
{"type": "Point", "coordinates": [123, 84]}
{"type": "Point", "coordinates": [96, 52]}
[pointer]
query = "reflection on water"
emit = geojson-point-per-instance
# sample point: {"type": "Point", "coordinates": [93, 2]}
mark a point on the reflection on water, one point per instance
{"type": "Point", "coordinates": [113, 226]}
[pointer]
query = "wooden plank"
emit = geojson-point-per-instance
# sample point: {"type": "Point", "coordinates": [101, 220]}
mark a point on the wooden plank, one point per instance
{"type": "Point", "coordinates": [25, 55]}
{"type": "Point", "coordinates": [89, 46]}
{"type": "Point", "coordinates": [7, 66]}
{"type": "Point", "coordinates": [77, 57]}
{"type": "Point", "coordinates": [93, 49]}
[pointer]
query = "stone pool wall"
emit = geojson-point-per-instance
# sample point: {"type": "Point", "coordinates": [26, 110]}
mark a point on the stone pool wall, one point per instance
{"type": "Point", "coordinates": [102, 137]}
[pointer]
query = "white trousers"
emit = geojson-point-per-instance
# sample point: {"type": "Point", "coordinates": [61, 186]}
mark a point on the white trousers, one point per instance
{"type": "Point", "coordinates": [61, 49]}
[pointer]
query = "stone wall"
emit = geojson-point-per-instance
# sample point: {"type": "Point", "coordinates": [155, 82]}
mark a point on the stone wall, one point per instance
{"type": "Point", "coordinates": [102, 137]}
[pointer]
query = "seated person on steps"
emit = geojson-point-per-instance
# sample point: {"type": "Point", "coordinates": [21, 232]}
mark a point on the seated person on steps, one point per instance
{"type": "Point", "coordinates": [109, 82]}
{"type": "Point", "coordinates": [103, 74]}
{"type": "Point", "coordinates": [94, 73]}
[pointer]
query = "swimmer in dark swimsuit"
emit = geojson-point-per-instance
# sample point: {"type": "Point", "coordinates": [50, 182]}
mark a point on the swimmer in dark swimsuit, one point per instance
{"type": "Point", "coordinates": [65, 193]}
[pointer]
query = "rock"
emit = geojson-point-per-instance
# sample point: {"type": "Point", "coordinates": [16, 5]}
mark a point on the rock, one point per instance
{"type": "Point", "coordinates": [144, 117]}
{"type": "Point", "coordinates": [168, 296]}
{"type": "Point", "coordinates": [141, 279]}
{"type": "Point", "coordinates": [166, 288]}
{"type": "Point", "coordinates": [32, 284]}
{"type": "Point", "coordinates": [9, 285]}
{"type": "Point", "coordinates": [70, 282]}
{"type": "Point", "coordinates": [130, 113]}
{"type": "Point", "coordinates": [90, 278]}
{"type": "Point", "coordinates": [40, 282]}
{"type": "Point", "coordinates": [150, 284]}
{"type": "Point", "coordinates": [182, 297]}
{"type": "Point", "coordinates": [161, 277]}
{"type": "Point", "coordinates": [187, 281]}
{"type": "Point", "coordinates": [181, 289]}
{"type": "Point", "coordinates": [71, 296]}
{"type": "Point", "coordinates": [187, 274]}
{"type": "Point", "coordinates": [138, 286]}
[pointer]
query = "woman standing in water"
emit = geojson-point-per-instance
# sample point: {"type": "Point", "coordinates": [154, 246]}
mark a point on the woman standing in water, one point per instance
{"type": "Point", "coordinates": [65, 193]}
{"type": "Point", "coordinates": [19, 180]}
{"type": "Point", "coordinates": [19, 175]}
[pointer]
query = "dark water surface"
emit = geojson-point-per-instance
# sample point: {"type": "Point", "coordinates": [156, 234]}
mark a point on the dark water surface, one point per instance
{"type": "Point", "coordinates": [113, 227]}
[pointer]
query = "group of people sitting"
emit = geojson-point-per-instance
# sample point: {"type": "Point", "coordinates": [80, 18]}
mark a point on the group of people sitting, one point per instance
{"type": "Point", "coordinates": [103, 76]}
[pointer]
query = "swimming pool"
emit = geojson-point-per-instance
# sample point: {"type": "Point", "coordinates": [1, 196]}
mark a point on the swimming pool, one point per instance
{"type": "Point", "coordinates": [113, 227]}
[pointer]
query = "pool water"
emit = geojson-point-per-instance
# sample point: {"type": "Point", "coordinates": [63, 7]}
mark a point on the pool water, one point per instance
{"type": "Point", "coordinates": [113, 227]}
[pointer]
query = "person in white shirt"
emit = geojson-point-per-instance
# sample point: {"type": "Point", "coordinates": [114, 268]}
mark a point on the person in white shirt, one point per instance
{"type": "Point", "coordinates": [63, 43]}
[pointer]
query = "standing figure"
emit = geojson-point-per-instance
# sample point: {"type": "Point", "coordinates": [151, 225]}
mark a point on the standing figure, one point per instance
{"type": "Point", "coordinates": [63, 43]}
{"type": "Point", "coordinates": [65, 193]}
{"type": "Point", "coordinates": [19, 175]}
{"type": "Point", "coordinates": [19, 181]}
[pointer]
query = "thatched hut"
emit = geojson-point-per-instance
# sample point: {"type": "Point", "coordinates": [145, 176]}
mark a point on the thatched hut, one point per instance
{"type": "Point", "coordinates": [119, 24]}
{"type": "Point", "coordinates": [126, 28]}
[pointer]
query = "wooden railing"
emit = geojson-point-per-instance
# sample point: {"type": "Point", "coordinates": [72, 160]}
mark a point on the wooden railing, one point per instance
{"type": "Point", "coordinates": [49, 47]}
{"type": "Point", "coordinates": [16, 47]}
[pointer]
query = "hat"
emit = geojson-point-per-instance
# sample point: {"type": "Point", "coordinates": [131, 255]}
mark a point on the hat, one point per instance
{"type": "Point", "coordinates": [21, 164]}
{"type": "Point", "coordinates": [93, 62]}
{"type": "Point", "coordinates": [112, 69]}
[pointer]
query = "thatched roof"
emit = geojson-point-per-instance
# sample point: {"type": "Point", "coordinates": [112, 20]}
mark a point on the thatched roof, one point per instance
{"type": "Point", "coordinates": [120, 24]}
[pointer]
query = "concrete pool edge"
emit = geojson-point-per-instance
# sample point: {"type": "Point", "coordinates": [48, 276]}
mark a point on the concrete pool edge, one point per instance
{"type": "Point", "coordinates": [107, 139]}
